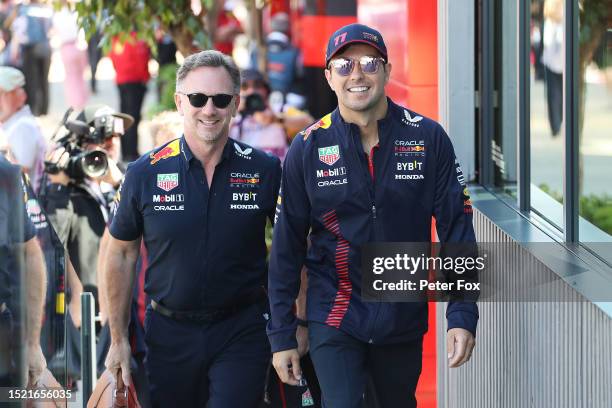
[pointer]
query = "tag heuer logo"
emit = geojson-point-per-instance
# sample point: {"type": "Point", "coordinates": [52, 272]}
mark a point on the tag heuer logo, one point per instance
{"type": "Point", "coordinates": [329, 155]}
{"type": "Point", "coordinates": [167, 181]}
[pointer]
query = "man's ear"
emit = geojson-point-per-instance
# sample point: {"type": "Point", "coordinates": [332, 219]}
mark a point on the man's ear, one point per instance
{"type": "Point", "coordinates": [387, 72]}
{"type": "Point", "coordinates": [178, 102]}
{"type": "Point", "coordinates": [328, 77]}
{"type": "Point", "coordinates": [236, 105]}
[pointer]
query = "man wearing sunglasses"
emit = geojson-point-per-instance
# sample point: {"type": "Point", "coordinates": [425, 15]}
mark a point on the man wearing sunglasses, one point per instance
{"type": "Point", "coordinates": [200, 204]}
{"type": "Point", "coordinates": [370, 171]}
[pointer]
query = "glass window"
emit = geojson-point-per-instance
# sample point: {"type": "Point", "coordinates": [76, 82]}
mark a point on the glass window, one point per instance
{"type": "Point", "coordinates": [504, 143]}
{"type": "Point", "coordinates": [546, 119]}
{"type": "Point", "coordinates": [595, 121]}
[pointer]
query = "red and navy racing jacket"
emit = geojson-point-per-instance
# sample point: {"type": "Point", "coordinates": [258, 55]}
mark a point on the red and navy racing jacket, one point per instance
{"type": "Point", "coordinates": [344, 198]}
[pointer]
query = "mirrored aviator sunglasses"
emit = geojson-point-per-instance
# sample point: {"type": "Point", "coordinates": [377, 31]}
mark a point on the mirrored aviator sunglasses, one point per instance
{"type": "Point", "coordinates": [368, 65]}
{"type": "Point", "coordinates": [198, 100]}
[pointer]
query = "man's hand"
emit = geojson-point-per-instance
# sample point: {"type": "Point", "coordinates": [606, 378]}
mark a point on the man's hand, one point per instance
{"type": "Point", "coordinates": [459, 345]}
{"type": "Point", "coordinates": [113, 175]}
{"type": "Point", "coordinates": [302, 338]}
{"type": "Point", "coordinates": [36, 363]}
{"type": "Point", "coordinates": [287, 365]}
{"type": "Point", "coordinates": [119, 355]}
{"type": "Point", "coordinates": [60, 157]}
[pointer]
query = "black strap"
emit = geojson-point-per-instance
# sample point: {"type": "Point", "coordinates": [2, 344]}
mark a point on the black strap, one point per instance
{"type": "Point", "coordinates": [210, 315]}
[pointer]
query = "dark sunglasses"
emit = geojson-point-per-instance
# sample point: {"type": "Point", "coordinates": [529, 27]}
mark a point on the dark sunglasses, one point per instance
{"type": "Point", "coordinates": [344, 66]}
{"type": "Point", "coordinates": [198, 100]}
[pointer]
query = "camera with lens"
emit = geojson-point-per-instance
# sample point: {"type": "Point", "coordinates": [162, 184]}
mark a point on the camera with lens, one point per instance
{"type": "Point", "coordinates": [253, 103]}
{"type": "Point", "coordinates": [82, 162]}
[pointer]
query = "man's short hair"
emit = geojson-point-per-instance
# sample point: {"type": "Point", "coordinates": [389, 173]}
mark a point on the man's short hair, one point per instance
{"type": "Point", "coordinates": [209, 58]}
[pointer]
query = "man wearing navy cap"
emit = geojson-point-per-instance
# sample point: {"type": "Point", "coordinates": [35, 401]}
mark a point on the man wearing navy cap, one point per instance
{"type": "Point", "coordinates": [200, 204]}
{"type": "Point", "coordinates": [370, 171]}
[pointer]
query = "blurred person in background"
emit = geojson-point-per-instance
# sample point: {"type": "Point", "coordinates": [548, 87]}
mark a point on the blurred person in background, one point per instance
{"type": "Point", "coordinates": [78, 208]}
{"type": "Point", "coordinates": [256, 124]}
{"type": "Point", "coordinates": [165, 126]}
{"type": "Point", "coordinates": [552, 59]}
{"type": "Point", "coordinates": [166, 58]}
{"type": "Point", "coordinates": [284, 61]}
{"type": "Point", "coordinates": [18, 243]}
{"type": "Point", "coordinates": [8, 12]}
{"type": "Point", "coordinates": [228, 27]}
{"type": "Point", "coordinates": [74, 59]}
{"type": "Point", "coordinates": [94, 55]}
{"type": "Point", "coordinates": [31, 35]}
{"type": "Point", "coordinates": [24, 141]}
{"type": "Point", "coordinates": [131, 62]}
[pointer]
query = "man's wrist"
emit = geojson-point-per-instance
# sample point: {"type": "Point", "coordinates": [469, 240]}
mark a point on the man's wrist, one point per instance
{"type": "Point", "coordinates": [33, 343]}
{"type": "Point", "coordinates": [302, 322]}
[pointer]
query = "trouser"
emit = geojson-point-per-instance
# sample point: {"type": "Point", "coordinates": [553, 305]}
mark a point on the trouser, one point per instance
{"type": "Point", "coordinates": [74, 61]}
{"type": "Point", "coordinates": [131, 96]}
{"type": "Point", "coordinates": [36, 73]}
{"type": "Point", "coordinates": [554, 97]}
{"type": "Point", "coordinates": [222, 364]}
{"type": "Point", "coordinates": [94, 54]}
{"type": "Point", "coordinates": [345, 365]}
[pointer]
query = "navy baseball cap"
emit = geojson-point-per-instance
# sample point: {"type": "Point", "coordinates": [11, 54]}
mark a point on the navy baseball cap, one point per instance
{"type": "Point", "coordinates": [351, 34]}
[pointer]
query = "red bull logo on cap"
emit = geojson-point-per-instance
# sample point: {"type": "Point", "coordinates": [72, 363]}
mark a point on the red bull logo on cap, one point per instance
{"type": "Point", "coordinates": [170, 150]}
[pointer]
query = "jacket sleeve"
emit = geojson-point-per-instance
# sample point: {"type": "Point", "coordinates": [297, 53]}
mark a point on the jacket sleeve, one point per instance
{"type": "Point", "coordinates": [291, 225]}
{"type": "Point", "coordinates": [127, 224]}
{"type": "Point", "coordinates": [276, 187]}
{"type": "Point", "coordinates": [453, 214]}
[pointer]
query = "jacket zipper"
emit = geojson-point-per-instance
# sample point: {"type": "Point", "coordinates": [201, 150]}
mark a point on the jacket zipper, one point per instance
{"type": "Point", "coordinates": [373, 197]}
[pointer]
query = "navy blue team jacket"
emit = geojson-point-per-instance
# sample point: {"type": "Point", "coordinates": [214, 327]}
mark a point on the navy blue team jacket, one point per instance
{"type": "Point", "coordinates": [344, 198]}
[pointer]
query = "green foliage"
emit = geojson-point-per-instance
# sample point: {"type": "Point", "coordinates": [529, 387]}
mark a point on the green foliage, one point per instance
{"type": "Point", "coordinates": [598, 211]}
{"type": "Point", "coordinates": [593, 208]}
{"type": "Point", "coordinates": [165, 81]}
{"type": "Point", "coordinates": [594, 16]}
{"type": "Point", "coordinates": [120, 17]}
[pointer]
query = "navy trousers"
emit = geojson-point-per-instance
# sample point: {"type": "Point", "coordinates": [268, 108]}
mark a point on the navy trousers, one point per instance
{"type": "Point", "coordinates": [345, 366]}
{"type": "Point", "coordinates": [222, 364]}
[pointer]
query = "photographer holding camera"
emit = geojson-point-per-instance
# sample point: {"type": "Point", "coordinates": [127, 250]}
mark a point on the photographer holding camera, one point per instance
{"type": "Point", "coordinates": [83, 175]}
{"type": "Point", "coordinates": [256, 124]}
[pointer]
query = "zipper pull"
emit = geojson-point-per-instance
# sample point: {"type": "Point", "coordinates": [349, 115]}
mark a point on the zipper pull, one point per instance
{"type": "Point", "coordinates": [374, 211]}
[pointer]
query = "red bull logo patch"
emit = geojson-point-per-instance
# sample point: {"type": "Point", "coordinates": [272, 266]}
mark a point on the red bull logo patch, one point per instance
{"type": "Point", "coordinates": [323, 123]}
{"type": "Point", "coordinates": [168, 181]}
{"type": "Point", "coordinates": [170, 150]}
